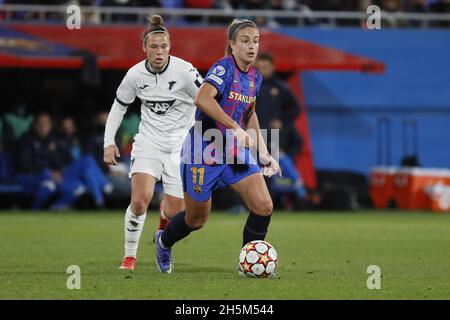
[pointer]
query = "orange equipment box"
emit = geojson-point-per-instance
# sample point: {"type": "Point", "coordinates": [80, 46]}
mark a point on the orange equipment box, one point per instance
{"type": "Point", "coordinates": [382, 186]}
{"type": "Point", "coordinates": [439, 196]}
{"type": "Point", "coordinates": [410, 186]}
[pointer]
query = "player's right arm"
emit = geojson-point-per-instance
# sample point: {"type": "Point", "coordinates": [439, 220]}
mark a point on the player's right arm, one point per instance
{"type": "Point", "coordinates": [205, 100]}
{"type": "Point", "coordinates": [125, 95]}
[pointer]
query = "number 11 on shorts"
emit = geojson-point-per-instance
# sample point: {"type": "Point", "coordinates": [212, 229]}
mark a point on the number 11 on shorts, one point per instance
{"type": "Point", "coordinates": [200, 172]}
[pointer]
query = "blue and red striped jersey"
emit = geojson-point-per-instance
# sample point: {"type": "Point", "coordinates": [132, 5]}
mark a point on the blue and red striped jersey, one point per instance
{"type": "Point", "coordinates": [236, 93]}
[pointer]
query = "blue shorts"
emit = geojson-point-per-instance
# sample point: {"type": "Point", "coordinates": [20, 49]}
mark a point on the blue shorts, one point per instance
{"type": "Point", "coordinates": [199, 180]}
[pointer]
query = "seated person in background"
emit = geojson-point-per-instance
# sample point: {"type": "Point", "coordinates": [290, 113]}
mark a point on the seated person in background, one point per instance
{"type": "Point", "coordinates": [16, 123]}
{"type": "Point", "coordinates": [39, 165]}
{"type": "Point", "coordinates": [93, 139]}
{"type": "Point", "coordinates": [93, 145]}
{"type": "Point", "coordinates": [78, 166]}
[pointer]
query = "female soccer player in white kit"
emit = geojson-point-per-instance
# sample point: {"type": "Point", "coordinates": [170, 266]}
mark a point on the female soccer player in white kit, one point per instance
{"type": "Point", "coordinates": [167, 86]}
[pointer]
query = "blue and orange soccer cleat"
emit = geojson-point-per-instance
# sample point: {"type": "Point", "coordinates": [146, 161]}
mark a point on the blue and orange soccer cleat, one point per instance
{"type": "Point", "coordinates": [164, 260]}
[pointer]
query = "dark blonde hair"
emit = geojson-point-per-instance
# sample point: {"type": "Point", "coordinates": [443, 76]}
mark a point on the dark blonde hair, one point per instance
{"type": "Point", "coordinates": [234, 27]}
{"type": "Point", "coordinates": [156, 26]}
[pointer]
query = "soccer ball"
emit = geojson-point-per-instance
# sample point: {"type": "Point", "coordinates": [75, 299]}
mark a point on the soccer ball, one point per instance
{"type": "Point", "coordinates": [258, 259]}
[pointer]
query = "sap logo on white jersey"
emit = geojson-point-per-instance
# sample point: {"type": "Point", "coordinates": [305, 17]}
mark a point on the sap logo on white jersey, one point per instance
{"type": "Point", "coordinates": [159, 107]}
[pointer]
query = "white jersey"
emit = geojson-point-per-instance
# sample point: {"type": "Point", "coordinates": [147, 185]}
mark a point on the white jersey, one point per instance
{"type": "Point", "coordinates": [167, 109]}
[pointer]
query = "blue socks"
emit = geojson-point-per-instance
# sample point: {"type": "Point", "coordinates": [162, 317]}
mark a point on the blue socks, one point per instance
{"type": "Point", "coordinates": [177, 230]}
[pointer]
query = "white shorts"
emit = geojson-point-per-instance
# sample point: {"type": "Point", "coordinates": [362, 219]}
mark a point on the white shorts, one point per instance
{"type": "Point", "coordinates": [162, 165]}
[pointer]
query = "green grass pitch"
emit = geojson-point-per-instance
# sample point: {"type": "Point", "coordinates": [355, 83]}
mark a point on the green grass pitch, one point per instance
{"type": "Point", "coordinates": [321, 256]}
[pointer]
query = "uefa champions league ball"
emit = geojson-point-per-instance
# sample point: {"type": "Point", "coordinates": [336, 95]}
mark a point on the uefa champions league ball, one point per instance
{"type": "Point", "coordinates": [258, 259]}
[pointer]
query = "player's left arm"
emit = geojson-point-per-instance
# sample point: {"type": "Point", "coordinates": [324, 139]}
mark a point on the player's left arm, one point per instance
{"type": "Point", "coordinates": [271, 165]}
{"type": "Point", "coordinates": [193, 81]}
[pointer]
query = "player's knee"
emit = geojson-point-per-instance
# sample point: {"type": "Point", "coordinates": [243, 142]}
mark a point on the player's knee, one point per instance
{"type": "Point", "coordinates": [140, 205]}
{"type": "Point", "coordinates": [196, 222]}
{"type": "Point", "coordinates": [171, 209]}
{"type": "Point", "coordinates": [263, 208]}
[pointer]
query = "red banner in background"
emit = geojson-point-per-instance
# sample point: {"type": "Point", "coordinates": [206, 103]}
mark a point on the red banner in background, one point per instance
{"type": "Point", "coordinates": [120, 47]}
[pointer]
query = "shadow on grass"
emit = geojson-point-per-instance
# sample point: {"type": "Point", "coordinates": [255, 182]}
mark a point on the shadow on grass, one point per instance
{"type": "Point", "coordinates": [194, 268]}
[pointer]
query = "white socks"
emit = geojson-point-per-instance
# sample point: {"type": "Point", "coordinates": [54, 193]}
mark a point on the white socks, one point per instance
{"type": "Point", "coordinates": [133, 229]}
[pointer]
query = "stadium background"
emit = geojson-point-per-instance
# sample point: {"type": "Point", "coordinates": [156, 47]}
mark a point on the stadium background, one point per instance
{"type": "Point", "coordinates": [371, 99]}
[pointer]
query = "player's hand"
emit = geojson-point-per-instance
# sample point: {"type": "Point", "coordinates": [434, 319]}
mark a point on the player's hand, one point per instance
{"type": "Point", "coordinates": [110, 153]}
{"type": "Point", "coordinates": [270, 166]}
{"type": "Point", "coordinates": [242, 138]}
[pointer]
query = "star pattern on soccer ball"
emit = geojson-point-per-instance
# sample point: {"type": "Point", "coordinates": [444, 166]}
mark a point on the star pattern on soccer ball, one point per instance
{"type": "Point", "coordinates": [246, 266]}
{"type": "Point", "coordinates": [250, 247]}
{"type": "Point", "coordinates": [264, 258]}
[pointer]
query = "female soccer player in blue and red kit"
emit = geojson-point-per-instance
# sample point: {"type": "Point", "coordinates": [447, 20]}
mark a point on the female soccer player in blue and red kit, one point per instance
{"type": "Point", "coordinates": [226, 103]}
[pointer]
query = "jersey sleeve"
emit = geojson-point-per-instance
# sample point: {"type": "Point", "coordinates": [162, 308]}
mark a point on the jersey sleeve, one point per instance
{"type": "Point", "coordinates": [193, 82]}
{"type": "Point", "coordinates": [126, 93]}
{"type": "Point", "coordinates": [218, 76]}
